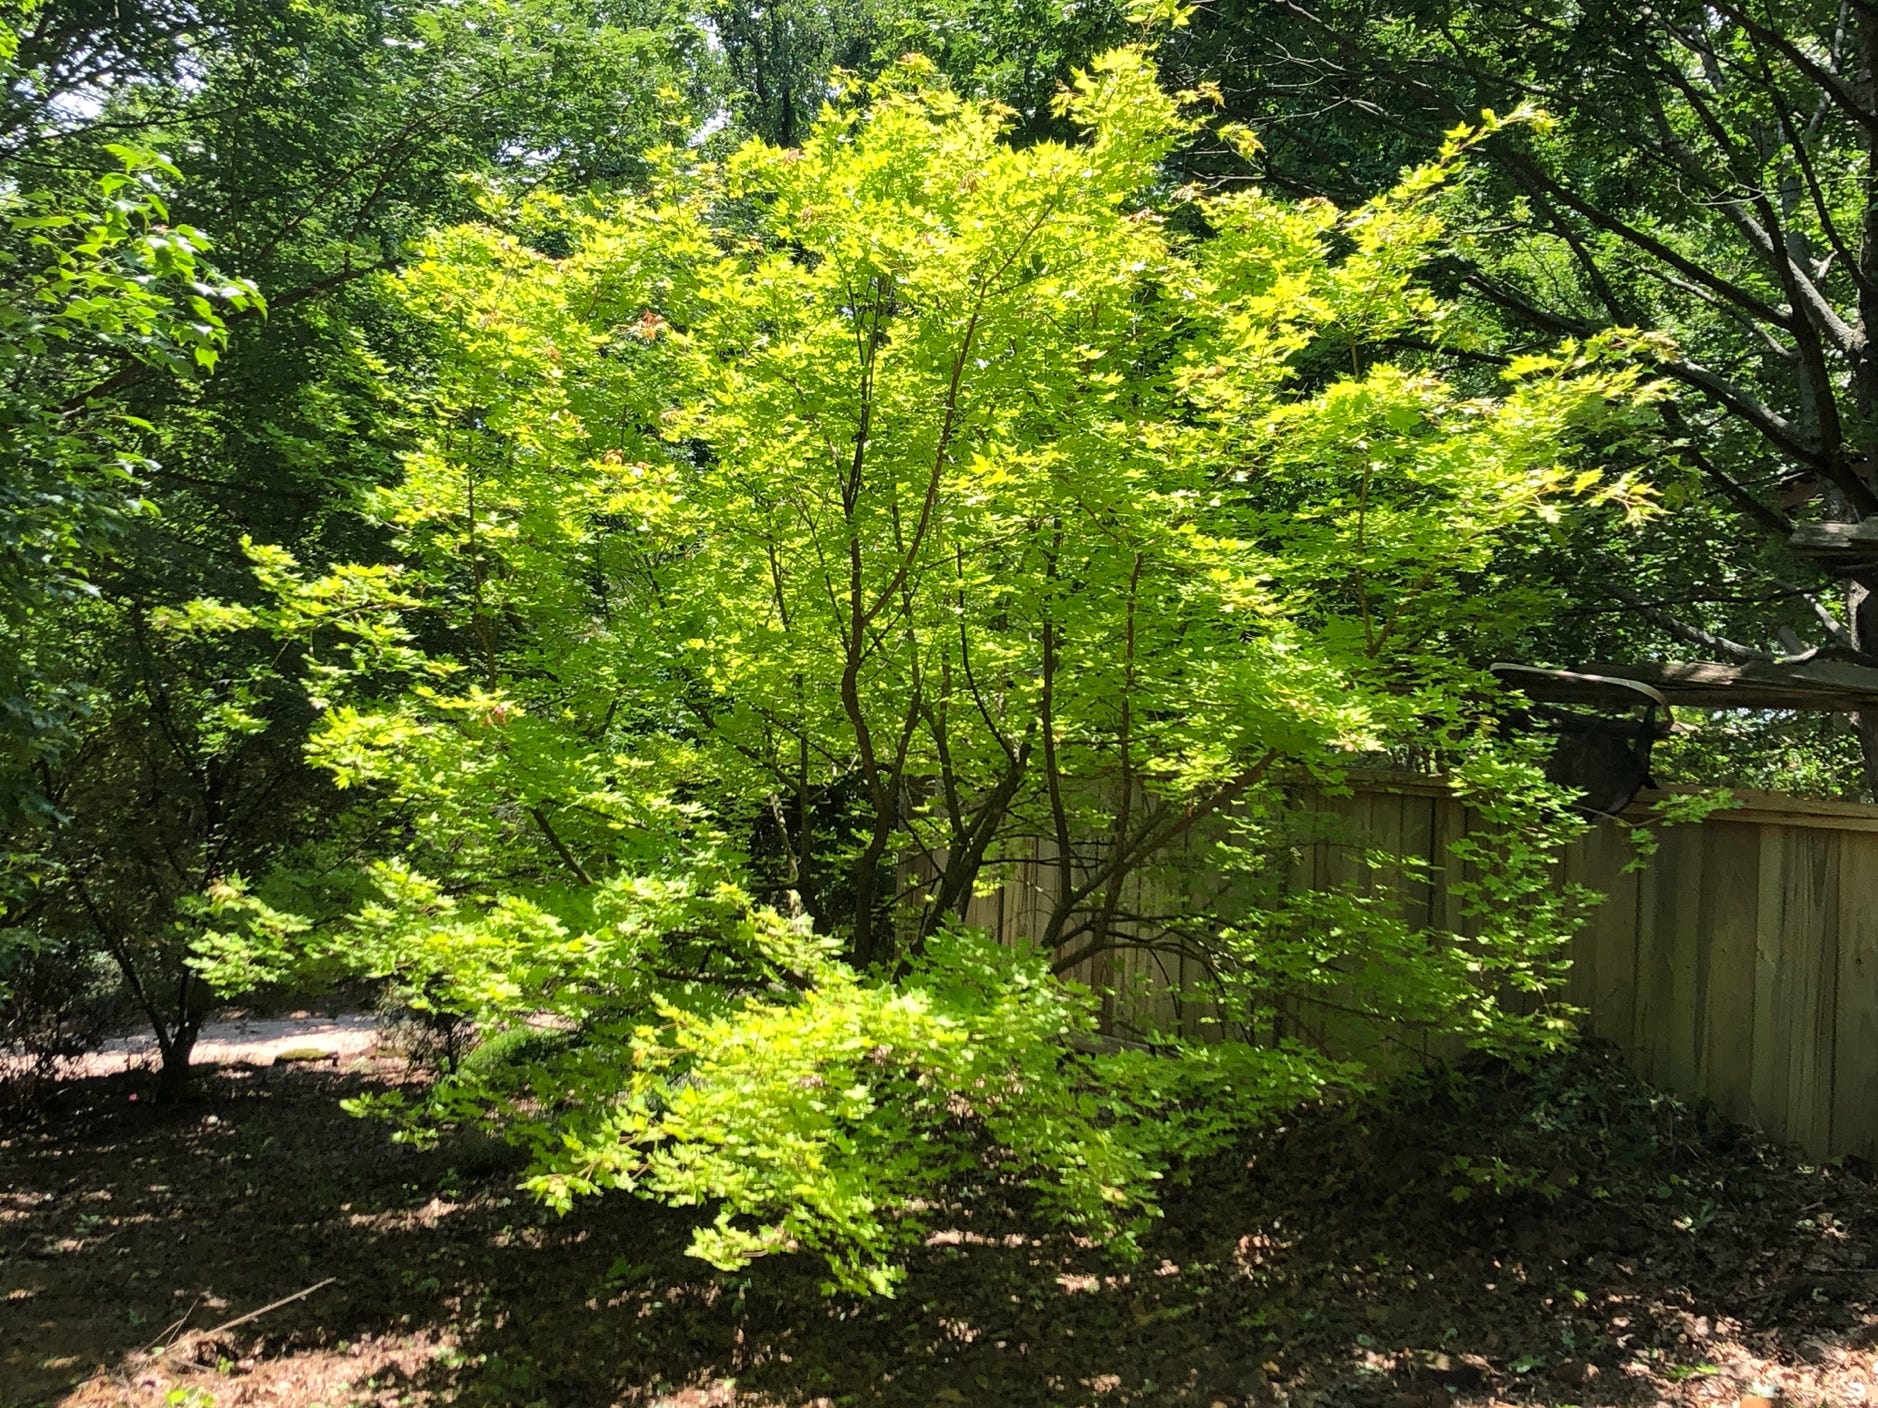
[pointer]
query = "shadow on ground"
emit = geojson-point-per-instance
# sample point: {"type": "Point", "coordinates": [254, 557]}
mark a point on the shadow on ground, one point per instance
{"type": "Point", "coordinates": [1563, 1236]}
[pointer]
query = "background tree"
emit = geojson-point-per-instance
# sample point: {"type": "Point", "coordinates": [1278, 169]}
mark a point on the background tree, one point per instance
{"type": "Point", "coordinates": [781, 55]}
{"type": "Point", "coordinates": [1709, 175]}
{"type": "Point", "coordinates": [89, 277]}
{"type": "Point", "coordinates": [318, 142]}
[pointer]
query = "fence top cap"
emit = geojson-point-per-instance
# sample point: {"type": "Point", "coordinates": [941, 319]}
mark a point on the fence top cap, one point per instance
{"type": "Point", "coordinates": [1547, 686]}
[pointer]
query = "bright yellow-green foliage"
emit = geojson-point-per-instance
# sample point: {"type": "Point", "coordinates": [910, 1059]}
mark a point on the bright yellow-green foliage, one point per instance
{"type": "Point", "coordinates": [797, 545]}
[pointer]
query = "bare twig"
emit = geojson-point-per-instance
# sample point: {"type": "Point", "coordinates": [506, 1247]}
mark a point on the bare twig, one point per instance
{"type": "Point", "coordinates": [257, 1314]}
{"type": "Point", "coordinates": [170, 1331]}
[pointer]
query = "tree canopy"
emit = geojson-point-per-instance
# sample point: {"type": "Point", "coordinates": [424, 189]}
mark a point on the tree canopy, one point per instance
{"type": "Point", "coordinates": [309, 147]}
{"type": "Point", "coordinates": [1707, 174]}
{"type": "Point", "coordinates": [796, 544]}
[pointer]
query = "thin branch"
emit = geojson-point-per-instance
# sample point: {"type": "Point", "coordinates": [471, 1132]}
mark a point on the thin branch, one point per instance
{"type": "Point", "coordinates": [560, 847]}
{"type": "Point", "coordinates": [1688, 634]}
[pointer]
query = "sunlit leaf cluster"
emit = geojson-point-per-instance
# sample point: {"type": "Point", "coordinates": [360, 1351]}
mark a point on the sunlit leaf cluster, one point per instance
{"type": "Point", "coordinates": [796, 548]}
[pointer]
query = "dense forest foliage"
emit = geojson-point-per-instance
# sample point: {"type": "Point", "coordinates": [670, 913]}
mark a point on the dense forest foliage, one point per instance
{"type": "Point", "coordinates": [613, 522]}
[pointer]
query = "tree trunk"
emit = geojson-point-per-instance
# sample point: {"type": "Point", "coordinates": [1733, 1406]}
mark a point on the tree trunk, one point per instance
{"type": "Point", "coordinates": [175, 1075]}
{"type": "Point", "coordinates": [178, 1043]}
{"type": "Point", "coordinates": [1861, 614]}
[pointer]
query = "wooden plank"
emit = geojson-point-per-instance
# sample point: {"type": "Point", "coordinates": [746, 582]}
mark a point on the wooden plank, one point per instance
{"type": "Point", "coordinates": [1419, 891]}
{"type": "Point", "coordinates": [1418, 841]}
{"type": "Point", "coordinates": [1035, 914]}
{"type": "Point", "coordinates": [1199, 1018]}
{"type": "Point", "coordinates": [981, 911]}
{"type": "Point", "coordinates": [1386, 832]}
{"type": "Point", "coordinates": [1836, 545]}
{"type": "Point", "coordinates": [1142, 894]}
{"type": "Point", "coordinates": [1730, 912]}
{"type": "Point", "coordinates": [1007, 872]}
{"type": "Point", "coordinates": [1830, 685]}
{"type": "Point", "coordinates": [1012, 921]}
{"type": "Point", "coordinates": [1767, 808]}
{"type": "Point", "coordinates": [1855, 1070]}
{"type": "Point", "coordinates": [1342, 867]}
{"type": "Point", "coordinates": [1406, 831]}
{"type": "Point", "coordinates": [1448, 823]}
{"type": "Point", "coordinates": [1608, 940]}
{"type": "Point", "coordinates": [1827, 535]}
{"type": "Point", "coordinates": [1669, 936]}
{"type": "Point", "coordinates": [1338, 862]}
{"type": "Point", "coordinates": [1767, 1086]}
{"type": "Point", "coordinates": [1813, 952]}
{"type": "Point", "coordinates": [1796, 973]}
{"type": "Point", "coordinates": [1451, 821]}
{"type": "Point", "coordinates": [1650, 991]}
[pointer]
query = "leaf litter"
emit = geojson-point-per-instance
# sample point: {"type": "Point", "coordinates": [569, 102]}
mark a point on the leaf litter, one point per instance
{"type": "Point", "coordinates": [1556, 1235]}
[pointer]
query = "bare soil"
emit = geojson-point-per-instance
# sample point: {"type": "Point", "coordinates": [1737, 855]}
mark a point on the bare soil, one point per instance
{"type": "Point", "coordinates": [1559, 1236]}
{"type": "Point", "coordinates": [240, 1037]}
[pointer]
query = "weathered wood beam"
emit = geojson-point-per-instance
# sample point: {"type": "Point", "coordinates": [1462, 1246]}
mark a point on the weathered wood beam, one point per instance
{"type": "Point", "coordinates": [1831, 686]}
{"type": "Point", "coordinates": [1836, 544]}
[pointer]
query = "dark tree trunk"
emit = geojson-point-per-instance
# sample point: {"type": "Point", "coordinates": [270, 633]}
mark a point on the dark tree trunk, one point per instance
{"type": "Point", "coordinates": [1861, 614]}
{"type": "Point", "coordinates": [176, 1075]}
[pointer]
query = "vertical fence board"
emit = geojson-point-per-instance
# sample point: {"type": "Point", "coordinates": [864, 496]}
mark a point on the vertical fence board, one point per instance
{"type": "Point", "coordinates": [1421, 839]}
{"type": "Point", "coordinates": [1668, 939]}
{"type": "Point", "coordinates": [1767, 1085]}
{"type": "Point", "coordinates": [1651, 998]}
{"type": "Point", "coordinates": [1418, 843]}
{"type": "Point", "coordinates": [1855, 1073]}
{"type": "Point", "coordinates": [1796, 981]}
{"type": "Point", "coordinates": [1729, 909]}
{"type": "Point", "coordinates": [1143, 895]}
{"type": "Point", "coordinates": [1332, 870]}
{"type": "Point", "coordinates": [1813, 947]}
{"type": "Point", "coordinates": [1450, 825]}
{"type": "Point", "coordinates": [1609, 937]}
{"type": "Point", "coordinates": [1581, 979]}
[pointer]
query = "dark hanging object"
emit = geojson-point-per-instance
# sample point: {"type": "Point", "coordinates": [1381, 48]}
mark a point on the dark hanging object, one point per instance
{"type": "Point", "coordinates": [1603, 729]}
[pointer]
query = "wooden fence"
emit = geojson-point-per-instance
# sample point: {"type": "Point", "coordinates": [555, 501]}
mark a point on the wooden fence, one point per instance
{"type": "Point", "coordinates": [1740, 963]}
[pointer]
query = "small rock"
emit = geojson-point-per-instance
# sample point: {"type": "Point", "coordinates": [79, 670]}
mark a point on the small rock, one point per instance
{"type": "Point", "coordinates": [1574, 1373]}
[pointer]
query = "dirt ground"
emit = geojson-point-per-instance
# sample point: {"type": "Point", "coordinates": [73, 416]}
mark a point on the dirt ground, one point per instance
{"type": "Point", "coordinates": [243, 1036]}
{"type": "Point", "coordinates": [1564, 1236]}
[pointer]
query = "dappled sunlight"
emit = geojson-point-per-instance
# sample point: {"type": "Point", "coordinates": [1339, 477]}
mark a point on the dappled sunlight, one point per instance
{"type": "Point", "coordinates": [1338, 1261]}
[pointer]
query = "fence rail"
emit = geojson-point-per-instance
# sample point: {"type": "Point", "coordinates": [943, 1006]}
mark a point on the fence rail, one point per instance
{"type": "Point", "coordinates": [1740, 963]}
